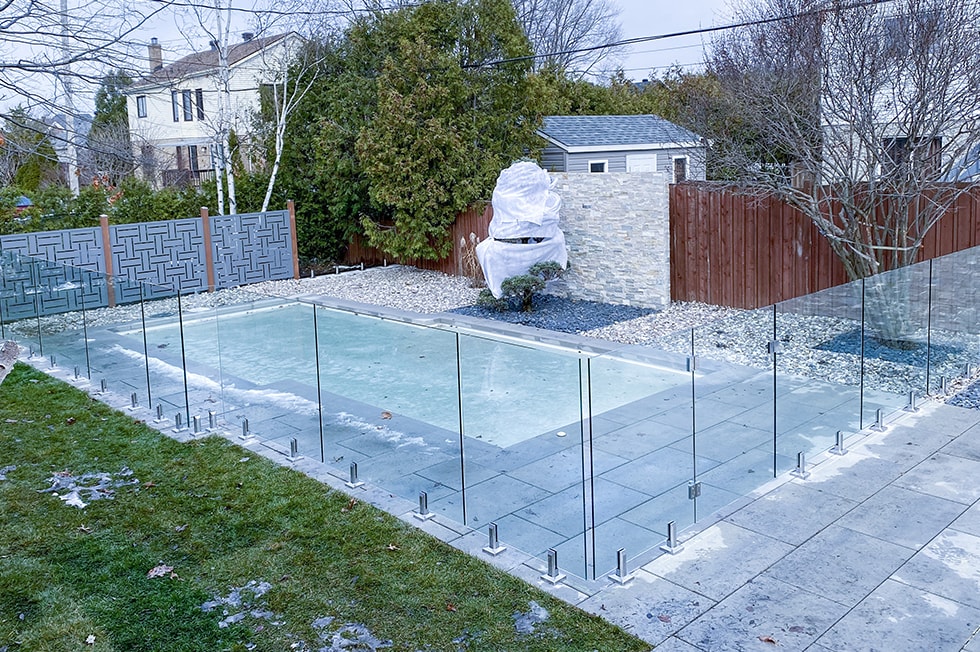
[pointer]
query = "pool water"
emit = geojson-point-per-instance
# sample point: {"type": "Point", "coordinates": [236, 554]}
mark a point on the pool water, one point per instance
{"type": "Point", "coordinates": [507, 391]}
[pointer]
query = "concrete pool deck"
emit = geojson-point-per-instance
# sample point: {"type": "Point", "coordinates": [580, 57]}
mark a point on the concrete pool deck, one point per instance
{"type": "Point", "coordinates": [878, 549]}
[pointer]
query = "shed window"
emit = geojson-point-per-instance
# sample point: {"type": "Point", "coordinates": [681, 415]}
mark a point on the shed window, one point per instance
{"type": "Point", "coordinates": [598, 166]}
{"type": "Point", "coordinates": [680, 169]}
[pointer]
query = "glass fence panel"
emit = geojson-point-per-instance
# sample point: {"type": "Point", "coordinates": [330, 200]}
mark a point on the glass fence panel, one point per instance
{"type": "Point", "coordinates": [525, 446]}
{"type": "Point", "coordinates": [641, 452]}
{"type": "Point", "coordinates": [954, 338]}
{"type": "Point", "coordinates": [818, 371]}
{"type": "Point", "coordinates": [734, 408]}
{"type": "Point", "coordinates": [896, 338]}
{"type": "Point", "coordinates": [388, 394]}
{"type": "Point", "coordinates": [19, 289]}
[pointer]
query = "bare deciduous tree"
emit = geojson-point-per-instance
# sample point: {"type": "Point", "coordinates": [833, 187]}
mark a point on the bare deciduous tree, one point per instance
{"type": "Point", "coordinates": [557, 27]}
{"type": "Point", "coordinates": [860, 115]}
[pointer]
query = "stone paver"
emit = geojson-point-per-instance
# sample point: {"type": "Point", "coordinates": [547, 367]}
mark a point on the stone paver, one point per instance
{"type": "Point", "coordinates": [897, 617]}
{"type": "Point", "coordinates": [949, 566]}
{"type": "Point", "coordinates": [762, 609]}
{"type": "Point", "coordinates": [901, 516]}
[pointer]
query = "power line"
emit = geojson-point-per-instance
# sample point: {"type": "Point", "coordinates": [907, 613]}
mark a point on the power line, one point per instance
{"type": "Point", "coordinates": [660, 37]}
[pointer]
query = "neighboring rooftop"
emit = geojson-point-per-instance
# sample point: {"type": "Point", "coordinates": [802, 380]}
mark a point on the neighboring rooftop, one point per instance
{"type": "Point", "coordinates": [203, 62]}
{"type": "Point", "coordinates": [598, 131]}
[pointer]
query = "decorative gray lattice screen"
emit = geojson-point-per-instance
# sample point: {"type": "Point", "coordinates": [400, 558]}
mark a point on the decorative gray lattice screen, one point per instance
{"type": "Point", "coordinates": [169, 256]}
{"type": "Point", "coordinates": [250, 248]}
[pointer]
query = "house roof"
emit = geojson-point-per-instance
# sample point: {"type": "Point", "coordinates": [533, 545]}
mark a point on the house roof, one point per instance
{"type": "Point", "coordinates": [203, 62]}
{"type": "Point", "coordinates": [586, 133]}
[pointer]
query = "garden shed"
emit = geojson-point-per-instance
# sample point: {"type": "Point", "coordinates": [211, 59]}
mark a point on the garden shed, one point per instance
{"type": "Point", "coordinates": [622, 143]}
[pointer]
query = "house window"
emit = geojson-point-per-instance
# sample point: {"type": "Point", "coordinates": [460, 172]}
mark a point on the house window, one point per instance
{"type": "Point", "coordinates": [141, 106]}
{"type": "Point", "coordinates": [188, 106]}
{"type": "Point", "coordinates": [192, 157]}
{"type": "Point", "coordinates": [905, 156]}
{"type": "Point", "coordinates": [176, 105]}
{"type": "Point", "coordinates": [199, 97]}
{"type": "Point", "coordinates": [680, 168]}
{"type": "Point", "coordinates": [598, 167]}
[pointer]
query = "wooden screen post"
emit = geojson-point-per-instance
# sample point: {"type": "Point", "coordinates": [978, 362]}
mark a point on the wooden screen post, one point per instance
{"type": "Point", "coordinates": [208, 252]}
{"type": "Point", "coordinates": [107, 252]}
{"type": "Point", "coordinates": [291, 207]}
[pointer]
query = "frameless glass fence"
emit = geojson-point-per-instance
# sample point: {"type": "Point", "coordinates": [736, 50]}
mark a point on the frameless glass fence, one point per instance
{"type": "Point", "coordinates": [817, 342]}
{"type": "Point", "coordinates": [736, 412]}
{"type": "Point", "coordinates": [560, 447]}
{"type": "Point", "coordinates": [641, 453]}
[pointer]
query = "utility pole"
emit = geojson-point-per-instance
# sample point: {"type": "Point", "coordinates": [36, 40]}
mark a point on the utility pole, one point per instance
{"type": "Point", "coordinates": [71, 150]}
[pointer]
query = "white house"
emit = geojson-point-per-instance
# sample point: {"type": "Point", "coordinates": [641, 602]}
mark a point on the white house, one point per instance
{"type": "Point", "coordinates": [179, 113]}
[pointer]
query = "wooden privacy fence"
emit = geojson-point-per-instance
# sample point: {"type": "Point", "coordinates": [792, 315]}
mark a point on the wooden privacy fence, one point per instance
{"type": "Point", "coordinates": [742, 251]}
{"type": "Point", "coordinates": [475, 219]}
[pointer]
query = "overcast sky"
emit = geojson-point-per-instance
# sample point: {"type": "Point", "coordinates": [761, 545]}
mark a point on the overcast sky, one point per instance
{"type": "Point", "coordinates": [655, 17]}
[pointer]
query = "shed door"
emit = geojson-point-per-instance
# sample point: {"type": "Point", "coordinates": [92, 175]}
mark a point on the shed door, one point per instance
{"type": "Point", "coordinates": [641, 162]}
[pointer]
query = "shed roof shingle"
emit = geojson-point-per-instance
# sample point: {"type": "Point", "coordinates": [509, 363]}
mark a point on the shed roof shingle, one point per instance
{"type": "Point", "coordinates": [614, 130]}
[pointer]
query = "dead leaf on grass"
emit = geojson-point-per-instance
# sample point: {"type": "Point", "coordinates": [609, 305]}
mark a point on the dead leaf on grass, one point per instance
{"type": "Point", "coordinates": [180, 528]}
{"type": "Point", "coordinates": [90, 639]}
{"type": "Point", "coordinates": [451, 607]}
{"type": "Point", "coordinates": [392, 546]}
{"type": "Point", "coordinates": [768, 639]}
{"type": "Point", "coordinates": [149, 483]}
{"type": "Point", "coordinates": [350, 505]}
{"type": "Point", "coordinates": [70, 420]}
{"type": "Point", "coordinates": [84, 529]}
{"type": "Point", "coordinates": [162, 571]}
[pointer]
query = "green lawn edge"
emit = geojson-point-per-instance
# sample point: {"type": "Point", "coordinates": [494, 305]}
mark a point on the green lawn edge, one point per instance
{"type": "Point", "coordinates": [223, 517]}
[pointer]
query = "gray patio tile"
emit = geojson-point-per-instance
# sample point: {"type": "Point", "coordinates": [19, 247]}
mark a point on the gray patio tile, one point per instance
{"type": "Point", "coordinates": [403, 462]}
{"type": "Point", "coordinates": [854, 476]}
{"type": "Point", "coordinates": [840, 564]}
{"type": "Point", "coordinates": [490, 500]}
{"type": "Point", "coordinates": [966, 445]}
{"type": "Point", "coordinates": [674, 644]}
{"type": "Point", "coordinates": [610, 536]}
{"type": "Point", "coordinates": [763, 608]}
{"type": "Point", "coordinates": [649, 607]}
{"type": "Point", "coordinates": [748, 393]}
{"type": "Point", "coordinates": [792, 513]}
{"type": "Point", "coordinates": [897, 617]}
{"type": "Point", "coordinates": [563, 511]}
{"type": "Point", "coordinates": [741, 475]}
{"type": "Point", "coordinates": [473, 544]}
{"type": "Point", "coordinates": [514, 531]}
{"type": "Point", "coordinates": [672, 505]}
{"type": "Point", "coordinates": [945, 476]}
{"type": "Point", "coordinates": [719, 560]}
{"type": "Point", "coordinates": [727, 440]}
{"type": "Point", "coordinates": [948, 566]}
{"type": "Point", "coordinates": [409, 486]}
{"type": "Point", "coordinates": [710, 411]}
{"type": "Point", "coordinates": [790, 415]}
{"type": "Point", "coordinates": [660, 470]}
{"type": "Point", "coordinates": [639, 438]}
{"type": "Point", "coordinates": [448, 473]}
{"type": "Point", "coordinates": [969, 522]}
{"type": "Point", "coordinates": [564, 468]}
{"type": "Point", "coordinates": [531, 573]}
{"type": "Point", "coordinates": [904, 517]}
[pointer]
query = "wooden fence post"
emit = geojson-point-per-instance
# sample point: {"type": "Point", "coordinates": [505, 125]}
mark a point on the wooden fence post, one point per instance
{"type": "Point", "coordinates": [107, 252]}
{"type": "Point", "coordinates": [291, 207]}
{"type": "Point", "coordinates": [208, 251]}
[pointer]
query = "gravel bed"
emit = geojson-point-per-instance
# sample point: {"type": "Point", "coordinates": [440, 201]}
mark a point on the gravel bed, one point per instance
{"type": "Point", "coordinates": [826, 347]}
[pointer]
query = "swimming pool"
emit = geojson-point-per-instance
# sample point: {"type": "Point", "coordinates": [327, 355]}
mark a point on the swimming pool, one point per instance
{"type": "Point", "coordinates": [506, 390]}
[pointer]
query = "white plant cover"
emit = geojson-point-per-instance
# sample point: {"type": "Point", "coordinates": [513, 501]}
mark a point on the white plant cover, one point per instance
{"type": "Point", "coordinates": [524, 208]}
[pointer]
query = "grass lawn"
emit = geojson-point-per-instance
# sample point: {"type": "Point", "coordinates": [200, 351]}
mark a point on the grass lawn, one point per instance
{"type": "Point", "coordinates": [262, 557]}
